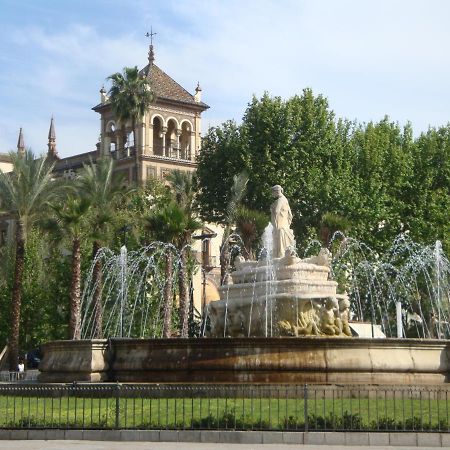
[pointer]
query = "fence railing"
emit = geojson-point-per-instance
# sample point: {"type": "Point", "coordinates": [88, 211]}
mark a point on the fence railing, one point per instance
{"type": "Point", "coordinates": [234, 407]}
{"type": "Point", "coordinates": [28, 375]}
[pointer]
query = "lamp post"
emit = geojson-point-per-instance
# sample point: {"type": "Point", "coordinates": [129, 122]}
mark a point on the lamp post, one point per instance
{"type": "Point", "coordinates": [124, 230]}
{"type": "Point", "coordinates": [204, 237]}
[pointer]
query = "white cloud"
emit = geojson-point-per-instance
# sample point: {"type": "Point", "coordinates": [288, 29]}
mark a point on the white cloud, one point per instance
{"type": "Point", "coordinates": [368, 58]}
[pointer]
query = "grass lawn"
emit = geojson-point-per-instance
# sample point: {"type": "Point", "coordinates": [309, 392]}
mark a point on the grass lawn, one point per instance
{"type": "Point", "coordinates": [235, 413]}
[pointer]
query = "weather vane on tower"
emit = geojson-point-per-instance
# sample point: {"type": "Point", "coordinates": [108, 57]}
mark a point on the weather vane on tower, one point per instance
{"type": "Point", "coordinates": [151, 54]}
{"type": "Point", "coordinates": [150, 35]}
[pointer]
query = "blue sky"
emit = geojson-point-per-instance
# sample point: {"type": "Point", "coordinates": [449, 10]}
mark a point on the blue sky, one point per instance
{"type": "Point", "coordinates": [369, 58]}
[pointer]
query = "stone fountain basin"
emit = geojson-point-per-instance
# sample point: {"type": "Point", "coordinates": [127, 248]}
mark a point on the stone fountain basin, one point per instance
{"type": "Point", "coordinates": [249, 360]}
{"type": "Point", "coordinates": [298, 271]}
{"type": "Point", "coordinates": [292, 287]}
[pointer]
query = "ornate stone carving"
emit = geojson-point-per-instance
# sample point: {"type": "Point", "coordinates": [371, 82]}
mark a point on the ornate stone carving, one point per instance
{"type": "Point", "coordinates": [344, 315]}
{"type": "Point", "coordinates": [329, 324]}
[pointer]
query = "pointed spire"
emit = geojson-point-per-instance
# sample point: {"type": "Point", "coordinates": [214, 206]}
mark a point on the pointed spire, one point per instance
{"type": "Point", "coordinates": [51, 131]}
{"type": "Point", "coordinates": [52, 152]}
{"type": "Point", "coordinates": [20, 143]}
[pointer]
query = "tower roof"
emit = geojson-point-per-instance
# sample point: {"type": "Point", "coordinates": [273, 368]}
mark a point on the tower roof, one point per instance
{"type": "Point", "coordinates": [167, 88]}
{"type": "Point", "coordinates": [164, 87]}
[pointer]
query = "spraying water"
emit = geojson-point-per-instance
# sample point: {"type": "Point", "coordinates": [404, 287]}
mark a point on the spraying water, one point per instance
{"type": "Point", "coordinates": [417, 276]}
{"type": "Point", "coordinates": [267, 241]}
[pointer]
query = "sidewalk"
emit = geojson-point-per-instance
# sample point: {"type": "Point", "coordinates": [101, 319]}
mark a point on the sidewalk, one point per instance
{"type": "Point", "coordinates": [95, 445]}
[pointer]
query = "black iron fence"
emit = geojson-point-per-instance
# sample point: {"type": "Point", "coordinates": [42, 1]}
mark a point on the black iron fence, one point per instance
{"type": "Point", "coordinates": [234, 407]}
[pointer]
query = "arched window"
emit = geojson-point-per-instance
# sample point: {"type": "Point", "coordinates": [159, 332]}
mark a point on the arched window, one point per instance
{"type": "Point", "coordinates": [185, 140]}
{"type": "Point", "coordinates": [110, 138]}
{"type": "Point", "coordinates": [158, 137]}
{"type": "Point", "coordinates": [171, 139]}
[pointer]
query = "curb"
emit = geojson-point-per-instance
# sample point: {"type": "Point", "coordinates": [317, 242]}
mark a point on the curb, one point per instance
{"type": "Point", "coordinates": [237, 437]}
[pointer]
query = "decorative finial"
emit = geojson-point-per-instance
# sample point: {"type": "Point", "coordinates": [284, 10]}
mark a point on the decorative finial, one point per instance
{"type": "Point", "coordinates": [198, 93]}
{"type": "Point", "coordinates": [103, 97]}
{"type": "Point", "coordinates": [52, 152]}
{"type": "Point", "coordinates": [20, 143]}
{"type": "Point", "coordinates": [151, 53]}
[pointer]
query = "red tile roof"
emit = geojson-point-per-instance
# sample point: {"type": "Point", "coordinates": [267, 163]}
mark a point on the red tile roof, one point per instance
{"type": "Point", "coordinates": [166, 87]}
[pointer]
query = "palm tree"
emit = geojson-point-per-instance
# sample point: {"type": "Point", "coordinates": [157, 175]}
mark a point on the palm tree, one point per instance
{"type": "Point", "coordinates": [103, 190]}
{"type": "Point", "coordinates": [330, 223]}
{"type": "Point", "coordinates": [183, 186]}
{"type": "Point", "coordinates": [236, 194]}
{"type": "Point", "coordinates": [130, 96]}
{"type": "Point", "coordinates": [25, 195]}
{"type": "Point", "coordinates": [172, 224]}
{"type": "Point", "coordinates": [250, 226]}
{"type": "Point", "coordinates": [70, 219]}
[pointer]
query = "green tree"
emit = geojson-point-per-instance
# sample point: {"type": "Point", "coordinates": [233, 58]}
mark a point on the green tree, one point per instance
{"type": "Point", "coordinates": [183, 186]}
{"type": "Point", "coordinates": [382, 161]}
{"type": "Point", "coordinates": [222, 157]}
{"type": "Point", "coordinates": [130, 96]}
{"type": "Point", "coordinates": [103, 190]}
{"type": "Point", "coordinates": [70, 218]}
{"type": "Point", "coordinates": [328, 167]}
{"type": "Point", "coordinates": [234, 200]}
{"type": "Point", "coordinates": [25, 195]}
{"type": "Point", "coordinates": [171, 224]}
{"type": "Point", "coordinates": [250, 225]}
{"type": "Point", "coordinates": [291, 143]}
{"type": "Point", "coordinates": [429, 193]}
{"type": "Point", "coordinates": [45, 297]}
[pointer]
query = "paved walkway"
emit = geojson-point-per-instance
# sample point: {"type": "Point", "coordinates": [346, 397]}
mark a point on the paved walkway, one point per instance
{"type": "Point", "coordinates": [96, 445]}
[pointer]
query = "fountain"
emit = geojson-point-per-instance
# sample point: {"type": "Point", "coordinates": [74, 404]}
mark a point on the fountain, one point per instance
{"type": "Point", "coordinates": [278, 297]}
{"type": "Point", "coordinates": [281, 294]}
{"type": "Point", "coordinates": [279, 319]}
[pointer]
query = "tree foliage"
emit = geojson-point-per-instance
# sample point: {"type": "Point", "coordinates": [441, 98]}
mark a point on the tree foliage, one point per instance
{"type": "Point", "coordinates": [130, 95]}
{"type": "Point", "coordinates": [24, 195]}
{"type": "Point", "coordinates": [374, 178]}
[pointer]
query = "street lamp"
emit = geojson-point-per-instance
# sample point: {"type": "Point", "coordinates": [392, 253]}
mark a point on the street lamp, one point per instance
{"type": "Point", "coordinates": [124, 230]}
{"type": "Point", "coordinates": [204, 237]}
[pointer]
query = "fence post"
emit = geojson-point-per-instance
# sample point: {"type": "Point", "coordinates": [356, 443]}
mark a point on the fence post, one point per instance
{"type": "Point", "coordinates": [305, 409]}
{"type": "Point", "coordinates": [117, 394]}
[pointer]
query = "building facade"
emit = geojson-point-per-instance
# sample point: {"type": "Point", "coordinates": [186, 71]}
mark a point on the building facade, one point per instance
{"type": "Point", "coordinates": [168, 137]}
{"type": "Point", "coordinates": [5, 163]}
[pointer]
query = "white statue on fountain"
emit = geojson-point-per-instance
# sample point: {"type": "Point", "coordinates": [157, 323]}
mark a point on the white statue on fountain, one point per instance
{"type": "Point", "coordinates": [283, 295]}
{"type": "Point", "coordinates": [281, 218]}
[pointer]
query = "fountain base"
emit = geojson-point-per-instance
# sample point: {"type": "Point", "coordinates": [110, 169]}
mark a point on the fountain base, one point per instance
{"type": "Point", "coordinates": [249, 360]}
